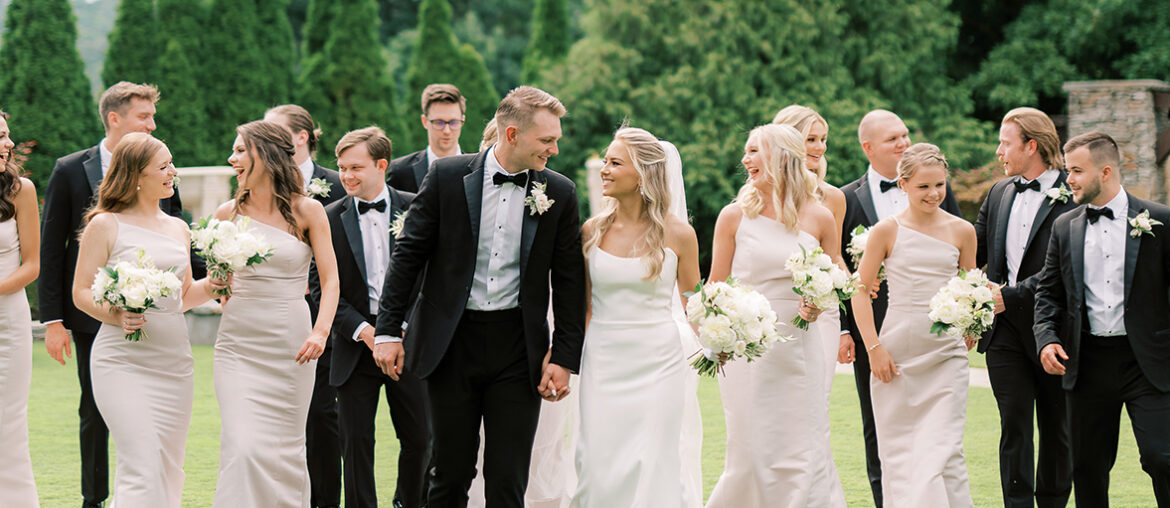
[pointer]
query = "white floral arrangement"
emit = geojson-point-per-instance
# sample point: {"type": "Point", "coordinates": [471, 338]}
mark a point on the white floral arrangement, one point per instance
{"type": "Point", "coordinates": [819, 281]}
{"type": "Point", "coordinates": [319, 187]}
{"type": "Point", "coordinates": [537, 201]}
{"type": "Point", "coordinates": [733, 321]}
{"type": "Point", "coordinates": [134, 287]}
{"type": "Point", "coordinates": [964, 307]}
{"type": "Point", "coordinates": [856, 249]}
{"type": "Point", "coordinates": [398, 225]}
{"type": "Point", "coordinates": [1142, 224]}
{"type": "Point", "coordinates": [227, 247]}
{"type": "Point", "coordinates": [1056, 194]}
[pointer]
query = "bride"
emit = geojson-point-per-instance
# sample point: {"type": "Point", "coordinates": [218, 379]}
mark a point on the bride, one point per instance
{"type": "Point", "coordinates": [632, 379]}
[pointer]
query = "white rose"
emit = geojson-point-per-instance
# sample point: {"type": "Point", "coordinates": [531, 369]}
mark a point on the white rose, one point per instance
{"type": "Point", "coordinates": [982, 294]}
{"type": "Point", "coordinates": [695, 309]}
{"type": "Point", "coordinates": [134, 296]}
{"type": "Point", "coordinates": [822, 261]}
{"type": "Point", "coordinates": [740, 347]}
{"type": "Point", "coordinates": [840, 277]}
{"type": "Point", "coordinates": [821, 283]}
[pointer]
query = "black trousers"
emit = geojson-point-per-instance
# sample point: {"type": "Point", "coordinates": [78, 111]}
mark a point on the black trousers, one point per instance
{"type": "Point", "coordinates": [1110, 377]}
{"type": "Point", "coordinates": [322, 439]}
{"type": "Point", "coordinates": [95, 437]}
{"type": "Point", "coordinates": [1021, 388]}
{"type": "Point", "coordinates": [358, 403]}
{"type": "Point", "coordinates": [873, 464]}
{"type": "Point", "coordinates": [483, 377]}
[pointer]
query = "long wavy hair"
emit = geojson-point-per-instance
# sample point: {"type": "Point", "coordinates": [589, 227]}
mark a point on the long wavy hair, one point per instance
{"type": "Point", "coordinates": [270, 145]}
{"type": "Point", "coordinates": [784, 164]}
{"type": "Point", "coordinates": [119, 189]}
{"type": "Point", "coordinates": [9, 181]}
{"type": "Point", "coordinates": [803, 118]}
{"type": "Point", "coordinates": [649, 160]}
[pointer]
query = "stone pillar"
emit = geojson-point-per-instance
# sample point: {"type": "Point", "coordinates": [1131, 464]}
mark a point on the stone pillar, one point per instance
{"type": "Point", "coordinates": [204, 188]}
{"type": "Point", "coordinates": [593, 182]}
{"type": "Point", "coordinates": [1134, 112]}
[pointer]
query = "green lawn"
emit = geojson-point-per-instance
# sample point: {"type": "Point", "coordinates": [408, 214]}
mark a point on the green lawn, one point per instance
{"type": "Point", "coordinates": [53, 428]}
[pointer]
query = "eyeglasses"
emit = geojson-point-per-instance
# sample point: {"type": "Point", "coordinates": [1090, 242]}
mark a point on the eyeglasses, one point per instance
{"type": "Point", "coordinates": [440, 124]}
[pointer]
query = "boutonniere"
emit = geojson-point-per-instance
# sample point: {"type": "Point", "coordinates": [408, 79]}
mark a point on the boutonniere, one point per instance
{"type": "Point", "coordinates": [1143, 224]}
{"type": "Point", "coordinates": [1055, 194]}
{"type": "Point", "coordinates": [175, 181]}
{"type": "Point", "coordinates": [537, 201]}
{"type": "Point", "coordinates": [319, 188]}
{"type": "Point", "coordinates": [397, 225]}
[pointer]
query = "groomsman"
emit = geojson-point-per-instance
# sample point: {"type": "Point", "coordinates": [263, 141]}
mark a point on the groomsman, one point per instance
{"type": "Point", "coordinates": [1103, 319]}
{"type": "Point", "coordinates": [360, 226]}
{"type": "Point", "coordinates": [499, 230]}
{"type": "Point", "coordinates": [1014, 224]}
{"type": "Point", "coordinates": [869, 199]}
{"type": "Point", "coordinates": [72, 189]}
{"type": "Point", "coordinates": [442, 117]}
{"type": "Point", "coordinates": [322, 441]}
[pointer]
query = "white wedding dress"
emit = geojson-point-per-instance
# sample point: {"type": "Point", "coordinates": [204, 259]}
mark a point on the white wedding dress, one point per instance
{"type": "Point", "coordinates": [631, 388]}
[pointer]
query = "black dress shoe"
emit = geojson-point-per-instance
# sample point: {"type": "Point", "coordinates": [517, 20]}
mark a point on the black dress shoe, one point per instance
{"type": "Point", "coordinates": [85, 504]}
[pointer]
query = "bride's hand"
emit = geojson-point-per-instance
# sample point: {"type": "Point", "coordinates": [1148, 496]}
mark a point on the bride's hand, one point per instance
{"type": "Point", "coordinates": [314, 346]}
{"type": "Point", "coordinates": [882, 364]}
{"type": "Point", "coordinates": [808, 312]}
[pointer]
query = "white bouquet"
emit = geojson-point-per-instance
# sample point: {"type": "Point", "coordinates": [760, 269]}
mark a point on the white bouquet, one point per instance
{"type": "Point", "coordinates": [820, 282]}
{"type": "Point", "coordinates": [733, 322]}
{"type": "Point", "coordinates": [134, 287]}
{"type": "Point", "coordinates": [964, 307]}
{"type": "Point", "coordinates": [227, 247]}
{"type": "Point", "coordinates": [856, 249]}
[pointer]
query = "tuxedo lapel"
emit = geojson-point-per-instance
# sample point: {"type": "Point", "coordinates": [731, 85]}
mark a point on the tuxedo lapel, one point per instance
{"type": "Point", "coordinates": [1132, 244]}
{"type": "Point", "coordinates": [93, 169]}
{"type": "Point", "coordinates": [865, 197]}
{"type": "Point", "coordinates": [353, 233]}
{"type": "Point", "coordinates": [999, 245]}
{"type": "Point", "coordinates": [473, 189]}
{"type": "Point", "coordinates": [531, 221]}
{"type": "Point", "coordinates": [420, 168]}
{"type": "Point", "coordinates": [1046, 206]}
{"type": "Point", "coordinates": [1076, 244]}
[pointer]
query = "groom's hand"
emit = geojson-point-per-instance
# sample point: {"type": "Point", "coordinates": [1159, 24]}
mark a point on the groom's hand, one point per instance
{"type": "Point", "coordinates": [1050, 361]}
{"type": "Point", "coordinates": [554, 383]}
{"type": "Point", "coordinates": [389, 356]}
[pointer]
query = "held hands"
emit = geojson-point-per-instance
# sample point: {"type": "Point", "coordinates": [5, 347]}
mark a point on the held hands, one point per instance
{"type": "Point", "coordinates": [389, 356]}
{"type": "Point", "coordinates": [882, 365]}
{"type": "Point", "coordinates": [554, 383]}
{"type": "Point", "coordinates": [970, 342]}
{"type": "Point", "coordinates": [808, 311]}
{"type": "Point", "coordinates": [997, 295]}
{"type": "Point", "coordinates": [1050, 359]}
{"type": "Point", "coordinates": [57, 342]}
{"type": "Point", "coordinates": [313, 348]}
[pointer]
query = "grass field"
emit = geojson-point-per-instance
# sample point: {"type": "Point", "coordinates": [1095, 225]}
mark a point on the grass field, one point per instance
{"type": "Point", "coordinates": [53, 430]}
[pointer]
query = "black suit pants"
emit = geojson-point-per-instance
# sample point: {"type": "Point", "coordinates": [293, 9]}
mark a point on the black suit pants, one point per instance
{"type": "Point", "coordinates": [483, 377]}
{"type": "Point", "coordinates": [358, 402]}
{"type": "Point", "coordinates": [1110, 377]}
{"type": "Point", "coordinates": [873, 464]}
{"type": "Point", "coordinates": [322, 440]}
{"type": "Point", "coordinates": [1020, 386]}
{"type": "Point", "coordinates": [95, 437]}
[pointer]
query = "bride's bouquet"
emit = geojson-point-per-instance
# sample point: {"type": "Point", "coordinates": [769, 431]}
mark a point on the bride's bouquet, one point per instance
{"type": "Point", "coordinates": [964, 307]}
{"type": "Point", "coordinates": [134, 287]}
{"type": "Point", "coordinates": [856, 249]}
{"type": "Point", "coordinates": [227, 247]}
{"type": "Point", "coordinates": [733, 322]}
{"type": "Point", "coordinates": [820, 282]}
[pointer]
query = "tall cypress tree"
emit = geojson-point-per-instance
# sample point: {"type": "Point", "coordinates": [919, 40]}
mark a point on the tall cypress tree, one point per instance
{"type": "Point", "coordinates": [550, 39]}
{"type": "Point", "coordinates": [316, 28]}
{"type": "Point", "coordinates": [275, 39]}
{"type": "Point", "coordinates": [134, 42]}
{"type": "Point", "coordinates": [235, 89]}
{"type": "Point", "coordinates": [43, 83]}
{"type": "Point", "coordinates": [439, 58]}
{"type": "Point", "coordinates": [346, 86]}
{"type": "Point", "coordinates": [182, 110]}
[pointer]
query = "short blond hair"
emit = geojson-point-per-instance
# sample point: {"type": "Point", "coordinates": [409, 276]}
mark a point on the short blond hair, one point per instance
{"type": "Point", "coordinates": [521, 104]}
{"type": "Point", "coordinates": [377, 144]}
{"type": "Point", "coordinates": [921, 155]}
{"type": "Point", "coordinates": [116, 97]}
{"type": "Point", "coordinates": [1037, 126]}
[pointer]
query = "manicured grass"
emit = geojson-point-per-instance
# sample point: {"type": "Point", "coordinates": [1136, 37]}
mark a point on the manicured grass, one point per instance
{"type": "Point", "coordinates": [53, 430]}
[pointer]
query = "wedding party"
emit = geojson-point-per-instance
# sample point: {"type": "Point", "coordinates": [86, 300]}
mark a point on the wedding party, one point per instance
{"type": "Point", "coordinates": [574, 304]}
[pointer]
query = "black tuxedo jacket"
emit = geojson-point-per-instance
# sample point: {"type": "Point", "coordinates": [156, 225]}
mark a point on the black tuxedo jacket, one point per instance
{"type": "Point", "coordinates": [859, 211]}
{"type": "Point", "coordinates": [353, 306]}
{"type": "Point", "coordinates": [991, 228]}
{"type": "Point", "coordinates": [1060, 293]}
{"type": "Point", "coordinates": [407, 172]}
{"type": "Point", "coordinates": [442, 235]}
{"type": "Point", "coordinates": [71, 191]}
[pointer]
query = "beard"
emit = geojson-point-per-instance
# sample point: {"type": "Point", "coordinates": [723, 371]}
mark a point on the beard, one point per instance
{"type": "Point", "coordinates": [1088, 192]}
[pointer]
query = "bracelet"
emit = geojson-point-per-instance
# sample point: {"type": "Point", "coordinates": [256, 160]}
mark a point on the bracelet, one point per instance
{"type": "Point", "coordinates": [873, 347]}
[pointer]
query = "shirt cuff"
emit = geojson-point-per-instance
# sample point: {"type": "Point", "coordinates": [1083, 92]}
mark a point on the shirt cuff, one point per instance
{"type": "Point", "coordinates": [47, 323]}
{"type": "Point", "coordinates": [358, 332]}
{"type": "Point", "coordinates": [382, 339]}
{"type": "Point", "coordinates": [846, 332]}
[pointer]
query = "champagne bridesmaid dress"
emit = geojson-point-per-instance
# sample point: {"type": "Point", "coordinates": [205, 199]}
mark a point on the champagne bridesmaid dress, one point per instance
{"type": "Point", "coordinates": [17, 488]}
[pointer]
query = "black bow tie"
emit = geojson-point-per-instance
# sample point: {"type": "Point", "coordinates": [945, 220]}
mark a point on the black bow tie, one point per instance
{"type": "Point", "coordinates": [886, 185]}
{"type": "Point", "coordinates": [1021, 186]}
{"type": "Point", "coordinates": [1097, 213]}
{"type": "Point", "coordinates": [518, 179]}
{"type": "Point", "coordinates": [379, 205]}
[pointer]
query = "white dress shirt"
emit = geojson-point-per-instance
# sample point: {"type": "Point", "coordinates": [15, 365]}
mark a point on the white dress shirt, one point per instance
{"type": "Point", "coordinates": [885, 203]}
{"type": "Point", "coordinates": [432, 157]}
{"type": "Point", "coordinates": [496, 283]}
{"type": "Point", "coordinates": [307, 173]}
{"type": "Point", "coordinates": [1020, 220]}
{"type": "Point", "coordinates": [375, 228]}
{"type": "Point", "coordinates": [105, 156]}
{"type": "Point", "coordinates": [1105, 269]}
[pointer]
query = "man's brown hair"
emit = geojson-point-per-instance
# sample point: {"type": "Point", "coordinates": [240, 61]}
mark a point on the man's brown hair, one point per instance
{"type": "Point", "coordinates": [1101, 146]}
{"type": "Point", "coordinates": [442, 93]}
{"type": "Point", "coordinates": [377, 144]}
{"type": "Point", "coordinates": [1036, 126]}
{"type": "Point", "coordinates": [116, 97]}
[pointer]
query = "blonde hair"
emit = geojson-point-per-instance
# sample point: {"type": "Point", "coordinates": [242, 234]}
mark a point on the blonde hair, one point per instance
{"type": "Point", "coordinates": [490, 135]}
{"type": "Point", "coordinates": [784, 164]}
{"type": "Point", "coordinates": [920, 155]}
{"type": "Point", "coordinates": [802, 119]}
{"type": "Point", "coordinates": [1035, 125]}
{"type": "Point", "coordinates": [117, 96]}
{"type": "Point", "coordinates": [119, 188]}
{"type": "Point", "coordinates": [521, 104]}
{"type": "Point", "coordinates": [649, 159]}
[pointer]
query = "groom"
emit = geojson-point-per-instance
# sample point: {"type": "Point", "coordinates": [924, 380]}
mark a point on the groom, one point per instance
{"type": "Point", "coordinates": [491, 230]}
{"type": "Point", "coordinates": [1103, 319]}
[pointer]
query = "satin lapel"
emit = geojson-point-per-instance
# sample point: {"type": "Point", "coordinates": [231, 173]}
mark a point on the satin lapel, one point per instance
{"type": "Point", "coordinates": [93, 170]}
{"type": "Point", "coordinates": [1132, 244]}
{"type": "Point", "coordinates": [531, 221]}
{"type": "Point", "coordinates": [1076, 243]}
{"type": "Point", "coordinates": [420, 168]}
{"type": "Point", "coordinates": [1003, 215]}
{"type": "Point", "coordinates": [353, 233]}
{"type": "Point", "coordinates": [473, 189]}
{"type": "Point", "coordinates": [866, 199]}
{"type": "Point", "coordinates": [1046, 207]}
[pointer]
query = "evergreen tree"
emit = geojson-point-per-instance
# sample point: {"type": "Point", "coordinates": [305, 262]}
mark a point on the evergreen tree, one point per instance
{"type": "Point", "coordinates": [182, 110]}
{"type": "Point", "coordinates": [346, 86]}
{"type": "Point", "coordinates": [316, 28]}
{"type": "Point", "coordinates": [275, 40]}
{"type": "Point", "coordinates": [550, 38]}
{"type": "Point", "coordinates": [134, 42]}
{"type": "Point", "coordinates": [235, 90]}
{"type": "Point", "coordinates": [439, 58]}
{"type": "Point", "coordinates": [43, 83]}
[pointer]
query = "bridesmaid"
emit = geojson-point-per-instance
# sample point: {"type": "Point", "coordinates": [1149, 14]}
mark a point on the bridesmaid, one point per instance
{"type": "Point", "coordinates": [919, 382]}
{"type": "Point", "coordinates": [19, 265]}
{"type": "Point", "coordinates": [777, 451]}
{"type": "Point", "coordinates": [264, 352]}
{"type": "Point", "coordinates": [143, 389]}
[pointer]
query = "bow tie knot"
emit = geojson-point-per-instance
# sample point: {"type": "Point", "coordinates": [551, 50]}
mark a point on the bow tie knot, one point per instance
{"type": "Point", "coordinates": [379, 205]}
{"type": "Point", "coordinates": [1097, 213]}
{"type": "Point", "coordinates": [1022, 186]}
{"type": "Point", "coordinates": [886, 185]}
{"type": "Point", "coordinates": [518, 179]}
